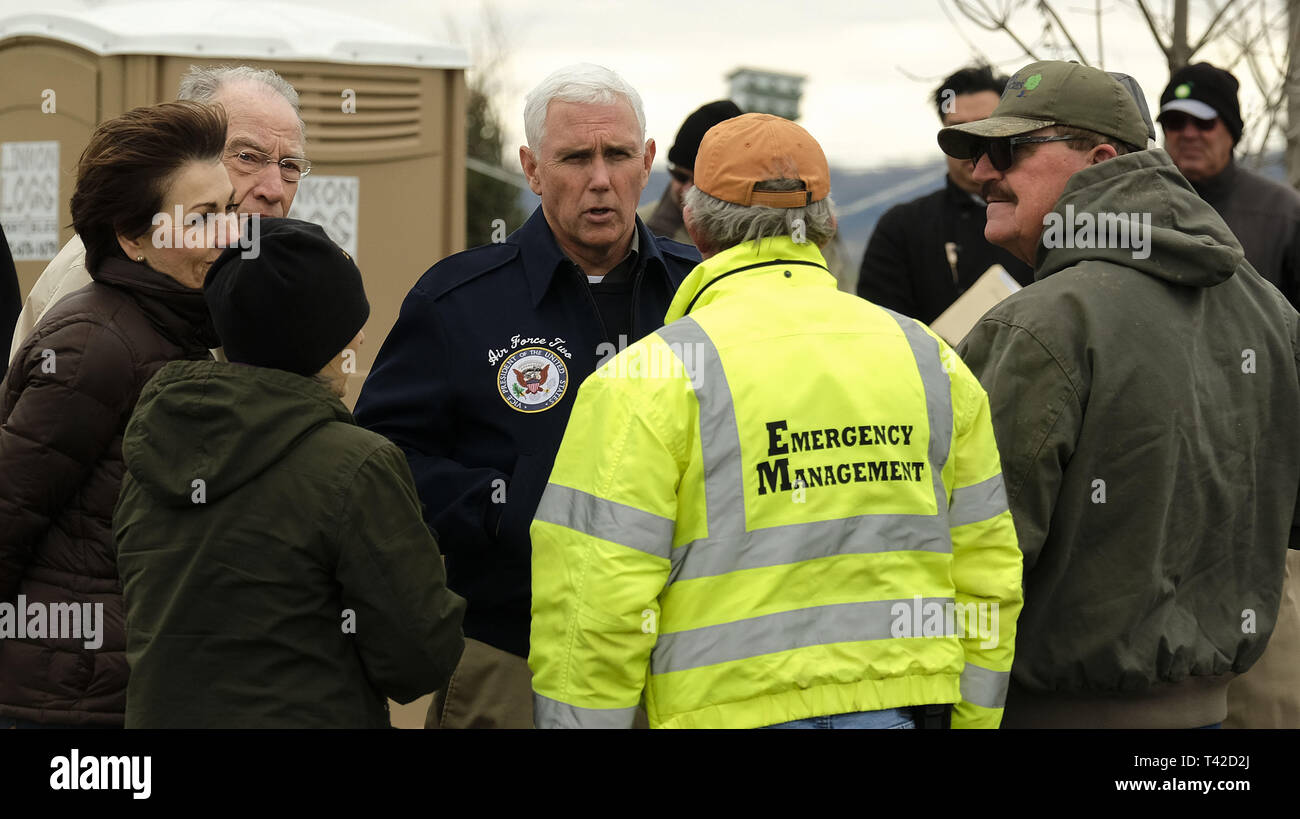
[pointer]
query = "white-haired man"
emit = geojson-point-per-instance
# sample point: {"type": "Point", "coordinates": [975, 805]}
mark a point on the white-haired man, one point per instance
{"type": "Point", "coordinates": [265, 156]}
{"type": "Point", "coordinates": [476, 379]}
{"type": "Point", "coordinates": [785, 508]}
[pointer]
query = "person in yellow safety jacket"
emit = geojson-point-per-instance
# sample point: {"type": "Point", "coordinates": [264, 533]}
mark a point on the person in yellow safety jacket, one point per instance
{"type": "Point", "coordinates": [786, 503]}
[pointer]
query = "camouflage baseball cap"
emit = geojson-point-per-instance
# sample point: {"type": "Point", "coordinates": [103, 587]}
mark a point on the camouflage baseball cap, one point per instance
{"type": "Point", "coordinates": [1053, 93]}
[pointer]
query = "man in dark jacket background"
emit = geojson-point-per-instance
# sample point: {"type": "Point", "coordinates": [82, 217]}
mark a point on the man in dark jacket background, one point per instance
{"type": "Point", "coordinates": [1145, 394]}
{"type": "Point", "coordinates": [476, 379]}
{"type": "Point", "coordinates": [276, 566]}
{"type": "Point", "coordinates": [664, 218]}
{"type": "Point", "coordinates": [925, 253]}
{"type": "Point", "coordinates": [1202, 124]}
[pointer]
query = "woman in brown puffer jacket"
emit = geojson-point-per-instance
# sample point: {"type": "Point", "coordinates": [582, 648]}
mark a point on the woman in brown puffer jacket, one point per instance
{"type": "Point", "coordinates": [153, 203]}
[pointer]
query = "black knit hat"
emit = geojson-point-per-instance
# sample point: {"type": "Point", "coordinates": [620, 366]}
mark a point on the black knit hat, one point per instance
{"type": "Point", "coordinates": [692, 132]}
{"type": "Point", "coordinates": [294, 305]}
{"type": "Point", "coordinates": [1201, 88]}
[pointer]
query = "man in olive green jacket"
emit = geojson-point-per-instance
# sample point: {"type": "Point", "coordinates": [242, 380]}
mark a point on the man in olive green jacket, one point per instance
{"type": "Point", "coordinates": [1145, 396]}
{"type": "Point", "coordinates": [276, 567]}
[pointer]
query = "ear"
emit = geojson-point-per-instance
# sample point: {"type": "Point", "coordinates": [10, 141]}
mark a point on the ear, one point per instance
{"type": "Point", "coordinates": [1102, 153]}
{"type": "Point", "coordinates": [697, 238]}
{"type": "Point", "coordinates": [649, 157]}
{"type": "Point", "coordinates": [133, 248]}
{"type": "Point", "coordinates": [528, 162]}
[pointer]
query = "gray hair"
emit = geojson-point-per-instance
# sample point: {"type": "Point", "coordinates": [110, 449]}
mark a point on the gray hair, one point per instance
{"type": "Point", "coordinates": [203, 83]}
{"type": "Point", "coordinates": [580, 83]}
{"type": "Point", "coordinates": [724, 224]}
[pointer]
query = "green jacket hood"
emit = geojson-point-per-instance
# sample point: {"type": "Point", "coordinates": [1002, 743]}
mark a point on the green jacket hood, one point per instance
{"type": "Point", "coordinates": [1113, 211]}
{"type": "Point", "coordinates": [220, 423]}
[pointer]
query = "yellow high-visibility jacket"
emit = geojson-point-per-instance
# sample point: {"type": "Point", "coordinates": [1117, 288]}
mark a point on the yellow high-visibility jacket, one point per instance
{"type": "Point", "coordinates": [786, 503]}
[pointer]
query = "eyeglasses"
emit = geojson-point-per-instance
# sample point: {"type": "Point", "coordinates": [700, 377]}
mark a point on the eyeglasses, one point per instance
{"type": "Point", "coordinates": [683, 176]}
{"type": "Point", "coordinates": [1177, 121]}
{"type": "Point", "coordinates": [246, 160]}
{"type": "Point", "coordinates": [1000, 150]}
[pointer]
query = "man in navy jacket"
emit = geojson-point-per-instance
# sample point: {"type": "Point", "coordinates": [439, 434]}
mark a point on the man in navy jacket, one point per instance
{"type": "Point", "coordinates": [476, 380]}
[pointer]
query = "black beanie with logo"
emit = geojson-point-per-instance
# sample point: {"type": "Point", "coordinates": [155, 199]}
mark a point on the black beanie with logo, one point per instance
{"type": "Point", "coordinates": [1205, 83]}
{"type": "Point", "coordinates": [293, 304]}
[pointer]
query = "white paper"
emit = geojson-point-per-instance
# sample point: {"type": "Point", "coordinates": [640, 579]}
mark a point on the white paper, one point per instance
{"type": "Point", "coordinates": [331, 202]}
{"type": "Point", "coordinates": [29, 199]}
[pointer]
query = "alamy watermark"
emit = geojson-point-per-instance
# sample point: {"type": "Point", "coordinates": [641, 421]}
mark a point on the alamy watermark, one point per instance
{"type": "Point", "coordinates": [673, 359]}
{"type": "Point", "coordinates": [1116, 231]}
{"type": "Point", "coordinates": [75, 772]}
{"type": "Point", "coordinates": [919, 617]}
{"type": "Point", "coordinates": [175, 230]}
{"type": "Point", "coordinates": [53, 621]}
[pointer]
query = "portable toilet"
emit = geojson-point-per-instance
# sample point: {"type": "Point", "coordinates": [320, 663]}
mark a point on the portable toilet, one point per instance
{"type": "Point", "coordinates": [384, 113]}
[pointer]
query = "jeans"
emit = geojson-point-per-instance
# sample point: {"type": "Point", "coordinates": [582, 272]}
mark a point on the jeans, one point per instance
{"type": "Point", "coordinates": [889, 718]}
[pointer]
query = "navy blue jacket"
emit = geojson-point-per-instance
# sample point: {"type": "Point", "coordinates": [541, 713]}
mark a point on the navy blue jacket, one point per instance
{"type": "Point", "coordinates": [475, 384]}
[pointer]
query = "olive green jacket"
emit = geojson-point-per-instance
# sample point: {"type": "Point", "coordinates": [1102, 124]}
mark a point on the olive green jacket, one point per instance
{"type": "Point", "coordinates": [1146, 401]}
{"type": "Point", "coordinates": [276, 568]}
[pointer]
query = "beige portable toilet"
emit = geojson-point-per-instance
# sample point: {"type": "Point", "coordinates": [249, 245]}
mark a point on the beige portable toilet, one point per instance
{"type": "Point", "coordinates": [384, 111]}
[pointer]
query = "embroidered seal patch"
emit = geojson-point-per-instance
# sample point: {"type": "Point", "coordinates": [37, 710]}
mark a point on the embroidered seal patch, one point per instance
{"type": "Point", "coordinates": [532, 379]}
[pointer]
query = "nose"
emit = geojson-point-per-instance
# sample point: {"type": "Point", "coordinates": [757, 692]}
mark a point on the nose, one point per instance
{"type": "Point", "coordinates": [983, 170]}
{"type": "Point", "coordinates": [599, 173]}
{"type": "Point", "coordinates": [269, 186]}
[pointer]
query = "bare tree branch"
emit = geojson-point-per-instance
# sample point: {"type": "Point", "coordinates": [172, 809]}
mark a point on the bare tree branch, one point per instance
{"type": "Point", "coordinates": [993, 22]}
{"type": "Point", "coordinates": [1155, 32]}
{"type": "Point", "coordinates": [1209, 29]}
{"type": "Point", "coordinates": [1051, 13]}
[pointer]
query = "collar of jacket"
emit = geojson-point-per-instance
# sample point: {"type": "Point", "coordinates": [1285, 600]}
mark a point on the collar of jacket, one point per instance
{"type": "Point", "coordinates": [961, 198]}
{"type": "Point", "coordinates": [667, 217]}
{"type": "Point", "coordinates": [739, 266]}
{"type": "Point", "coordinates": [542, 257]}
{"type": "Point", "coordinates": [177, 312]}
{"type": "Point", "coordinates": [1216, 188]}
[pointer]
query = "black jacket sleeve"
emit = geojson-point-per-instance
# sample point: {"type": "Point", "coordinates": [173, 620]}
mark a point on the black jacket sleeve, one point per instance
{"type": "Point", "coordinates": [408, 399]}
{"type": "Point", "coordinates": [75, 393]}
{"type": "Point", "coordinates": [11, 298]}
{"type": "Point", "coordinates": [886, 277]}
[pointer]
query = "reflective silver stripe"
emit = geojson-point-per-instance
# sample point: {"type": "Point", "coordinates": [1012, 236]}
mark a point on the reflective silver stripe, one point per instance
{"type": "Point", "coordinates": [784, 631]}
{"type": "Point", "coordinates": [549, 713]}
{"type": "Point", "coordinates": [607, 520]}
{"type": "Point", "coordinates": [980, 501]}
{"type": "Point", "coordinates": [781, 545]}
{"type": "Point", "coordinates": [724, 488]}
{"type": "Point", "coordinates": [981, 686]}
{"type": "Point", "coordinates": [938, 401]}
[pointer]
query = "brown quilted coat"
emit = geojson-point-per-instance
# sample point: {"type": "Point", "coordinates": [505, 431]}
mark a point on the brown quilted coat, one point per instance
{"type": "Point", "coordinates": [64, 405]}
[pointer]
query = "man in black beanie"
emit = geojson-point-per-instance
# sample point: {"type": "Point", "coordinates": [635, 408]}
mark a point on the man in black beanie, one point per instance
{"type": "Point", "coordinates": [664, 218]}
{"type": "Point", "coordinates": [268, 546]}
{"type": "Point", "coordinates": [1201, 120]}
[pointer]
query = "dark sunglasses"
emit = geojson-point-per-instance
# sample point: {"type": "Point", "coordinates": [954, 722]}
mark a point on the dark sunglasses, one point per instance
{"type": "Point", "coordinates": [1177, 121]}
{"type": "Point", "coordinates": [1000, 150]}
{"type": "Point", "coordinates": [684, 177]}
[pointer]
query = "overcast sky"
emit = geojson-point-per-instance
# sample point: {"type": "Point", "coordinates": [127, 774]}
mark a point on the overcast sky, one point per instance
{"type": "Point", "coordinates": [870, 64]}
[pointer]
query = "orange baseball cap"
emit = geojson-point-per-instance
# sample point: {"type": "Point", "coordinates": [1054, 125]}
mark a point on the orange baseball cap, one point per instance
{"type": "Point", "coordinates": [739, 152]}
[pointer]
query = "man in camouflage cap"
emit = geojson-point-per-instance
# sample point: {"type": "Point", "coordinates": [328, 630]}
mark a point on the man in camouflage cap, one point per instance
{"type": "Point", "coordinates": [1144, 390]}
